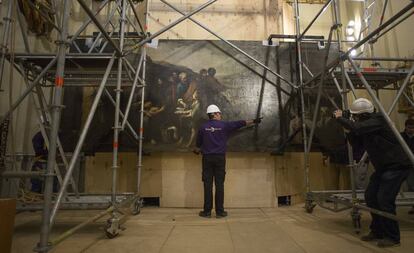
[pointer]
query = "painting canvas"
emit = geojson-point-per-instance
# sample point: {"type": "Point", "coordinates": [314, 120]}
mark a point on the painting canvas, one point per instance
{"type": "Point", "coordinates": [183, 77]}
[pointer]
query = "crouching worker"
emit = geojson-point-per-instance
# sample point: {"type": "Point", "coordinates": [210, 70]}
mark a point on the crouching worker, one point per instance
{"type": "Point", "coordinates": [211, 141]}
{"type": "Point", "coordinates": [40, 164]}
{"type": "Point", "coordinates": [369, 130]}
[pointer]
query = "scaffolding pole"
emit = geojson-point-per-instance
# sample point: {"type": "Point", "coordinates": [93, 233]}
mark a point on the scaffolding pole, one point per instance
{"type": "Point", "coordinates": [299, 80]}
{"type": "Point", "coordinates": [117, 126]}
{"type": "Point", "coordinates": [377, 103]}
{"type": "Point", "coordinates": [81, 139]}
{"type": "Point", "coordinates": [168, 27]}
{"type": "Point", "coordinates": [232, 45]}
{"type": "Point", "coordinates": [120, 53]}
{"type": "Point", "coordinates": [56, 113]}
{"type": "Point", "coordinates": [3, 46]}
{"type": "Point", "coordinates": [393, 22]}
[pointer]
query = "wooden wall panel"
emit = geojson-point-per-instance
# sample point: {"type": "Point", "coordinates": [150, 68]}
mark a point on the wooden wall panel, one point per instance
{"type": "Point", "coordinates": [252, 179]}
{"type": "Point", "coordinates": [98, 176]}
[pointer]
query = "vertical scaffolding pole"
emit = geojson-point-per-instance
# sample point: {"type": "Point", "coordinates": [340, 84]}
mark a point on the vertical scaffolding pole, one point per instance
{"type": "Point", "coordinates": [302, 98]}
{"type": "Point", "coordinates": [56, 113]}
{"type": "Point", "coordinates": [23, 32]}
{"type": "Point", "coordinates": [3, 46]}
{"type": "Point", "coordinates": [82, 137]}
{"type": "Point", "coordinates": [28, 90]}
{"type": "Point", "coordinates": [387, 118]}
{"type": "Point", "coordinates": [356, 216]}
{"type": "Point", "coordinates": [320, 88]}
{"type": "Point", "coordinates": [134, 86]}
{"type": "Point", "coordinates": [141, 122]}
{"type": "Point", "coordinates": [118, 91]}
{"type": "Point", "coordinates": [344, 92]}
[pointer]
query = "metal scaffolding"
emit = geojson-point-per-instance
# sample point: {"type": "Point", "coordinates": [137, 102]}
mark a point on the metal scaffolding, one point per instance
{"type": "Point", "coordinates": [49, 114]}
{"type": "Point", "coordinates": [351, 79]}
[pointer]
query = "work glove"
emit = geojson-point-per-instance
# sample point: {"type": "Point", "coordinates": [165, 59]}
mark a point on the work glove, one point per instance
{"type": "Point", "coordinates": [196, 151]}
{"type": "Point", "coordinates": [257, 120]}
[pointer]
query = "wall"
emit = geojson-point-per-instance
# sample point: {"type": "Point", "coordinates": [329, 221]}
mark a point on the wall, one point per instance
{"type": "Point", "coordinates": [349, 10]}
{"type": "Point", "coordinates": [232, 19]}
{"type": "Point", "coordinates": [396, 43]}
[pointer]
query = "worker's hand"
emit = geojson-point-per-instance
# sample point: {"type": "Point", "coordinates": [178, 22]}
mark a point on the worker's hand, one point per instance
{"type": "Point", "coordinates": [196, 151]}
{"type": "Point", "coordinates": [257, 120]}
{"type": "Point", "coordinates": [337, 114]}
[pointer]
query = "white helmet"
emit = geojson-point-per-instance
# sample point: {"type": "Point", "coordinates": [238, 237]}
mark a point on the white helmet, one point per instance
{"type": "Point", "coordinates": [361, 105]}
{"type": "Point", "coordinates": [213, 109]}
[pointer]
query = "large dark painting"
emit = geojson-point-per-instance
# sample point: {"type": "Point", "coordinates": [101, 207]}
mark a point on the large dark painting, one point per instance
{"type": "Point", "coordinates": [184, 77]}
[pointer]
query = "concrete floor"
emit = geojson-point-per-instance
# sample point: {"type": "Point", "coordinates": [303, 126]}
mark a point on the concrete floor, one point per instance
{"type": "Point", "coordinates": [170, 230]}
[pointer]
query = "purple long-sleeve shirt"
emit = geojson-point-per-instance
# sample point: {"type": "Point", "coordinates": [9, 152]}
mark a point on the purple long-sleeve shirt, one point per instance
{"type": "Point", "coordinates": [213, 135]}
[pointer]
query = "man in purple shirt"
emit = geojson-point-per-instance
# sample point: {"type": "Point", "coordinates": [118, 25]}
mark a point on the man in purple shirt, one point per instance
{"type": "Point", "coordinates": [211, 141]}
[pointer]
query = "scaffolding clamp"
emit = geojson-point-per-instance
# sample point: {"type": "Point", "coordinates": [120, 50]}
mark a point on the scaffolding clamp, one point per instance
{"type": "Point", "coordinates": [57, 106]}
{"type": "Point", "coordinates": [63, 42]}
{"type": "Point", "coordinates": [38, 248]}
{"type": "Point", "coordinates": [49, 175]}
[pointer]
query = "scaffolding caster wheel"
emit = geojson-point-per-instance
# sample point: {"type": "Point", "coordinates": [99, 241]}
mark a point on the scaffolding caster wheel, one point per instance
{"type": "Point", "coordinates": [112, 227]}
{"type": "Point", "coordinates": [309, 205]}
{"type": "Point", "coordinates": [136, 206]}
{"type": "Point", "coordinates": [356, 221]}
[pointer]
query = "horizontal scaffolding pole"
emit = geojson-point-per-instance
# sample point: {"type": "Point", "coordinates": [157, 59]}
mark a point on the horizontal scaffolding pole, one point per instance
{"type": "Point", "coordinates": [100, 27]}
{"type": "Point", "coordinates": [386, 116]}
{"type": "Point", "coordinates": [382, 59]}
{"type": "Point", "coordinates": [81, 139]}
{"type": "Point", "coordinates": [22, 174]}
{"type": "Point", "coordinates": [28, 90]}
{"type": "Point", "coordinates": [345, 55]}
{"type": "Point", "coordinates": [71, 231]}
{"type": "Point", "coordinates": [166, 28]}
{"type": "Point", "coordinates": [383, 214]}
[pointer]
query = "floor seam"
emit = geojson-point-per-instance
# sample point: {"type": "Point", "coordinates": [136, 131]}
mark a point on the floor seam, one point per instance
{"type": "Point", "coordinates": [281, 228]}
{"type": "Point", "coordinates": [166, 239]}
{"type": "Point", "coordinates": [231, 237]}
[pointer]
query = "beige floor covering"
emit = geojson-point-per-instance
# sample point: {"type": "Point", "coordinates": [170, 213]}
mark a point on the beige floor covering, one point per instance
{"type": "Point", "coordinates": [179, 230]}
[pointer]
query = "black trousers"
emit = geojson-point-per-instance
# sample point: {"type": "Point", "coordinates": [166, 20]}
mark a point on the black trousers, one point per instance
{"type": "Point", "coordinates": [380, 194]}
{"type": "Point", "coordinates": [214, 169]}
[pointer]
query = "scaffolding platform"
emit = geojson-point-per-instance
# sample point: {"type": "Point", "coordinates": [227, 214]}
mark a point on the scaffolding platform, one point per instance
{"type": "Point", "coordinates": [83, 202]}
{"type": "Point", "coordinates": [378, 78]}
{"type": "Point", "coordinates": [338, 201]}
{"type": "Point", "coordinates": [80, 68]}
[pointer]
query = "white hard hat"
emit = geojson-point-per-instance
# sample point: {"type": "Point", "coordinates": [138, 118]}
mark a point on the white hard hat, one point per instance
{"type": "Point", "coordinates": [361, 105]}
{"type": "Point", "coordinates": [213, 109]}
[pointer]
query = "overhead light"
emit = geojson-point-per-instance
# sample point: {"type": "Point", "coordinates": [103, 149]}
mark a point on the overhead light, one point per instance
{"type": "Point", "coordinates": [353, 52]}
{"type": "Point", "coordinates": [350, 31]}
{"type": "Point", "coordinates": [350, 38]}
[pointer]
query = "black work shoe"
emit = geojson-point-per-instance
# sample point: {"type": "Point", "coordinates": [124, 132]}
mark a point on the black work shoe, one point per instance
{"type": "Point", "coordinates": [387, 243]}
{"type": "Point", "coordinates": [411, 211]}
{"type": "Point", "coordinates": [204, 214]}
{"type": "Point", "coordinates": [221, 214]}
{"type": "Point", "coordinates": [370, 237]}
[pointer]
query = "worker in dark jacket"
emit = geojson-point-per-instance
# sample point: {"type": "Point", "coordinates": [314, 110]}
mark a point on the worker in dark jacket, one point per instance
{"type": "Point", "coordinates": [40, 163]}
{"type": "Point", "coordinates": [370, 130]}
{"type": "Point", "coordinates": [408, 136]}
{"type": "Point", "coordinates": [211, 141]}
